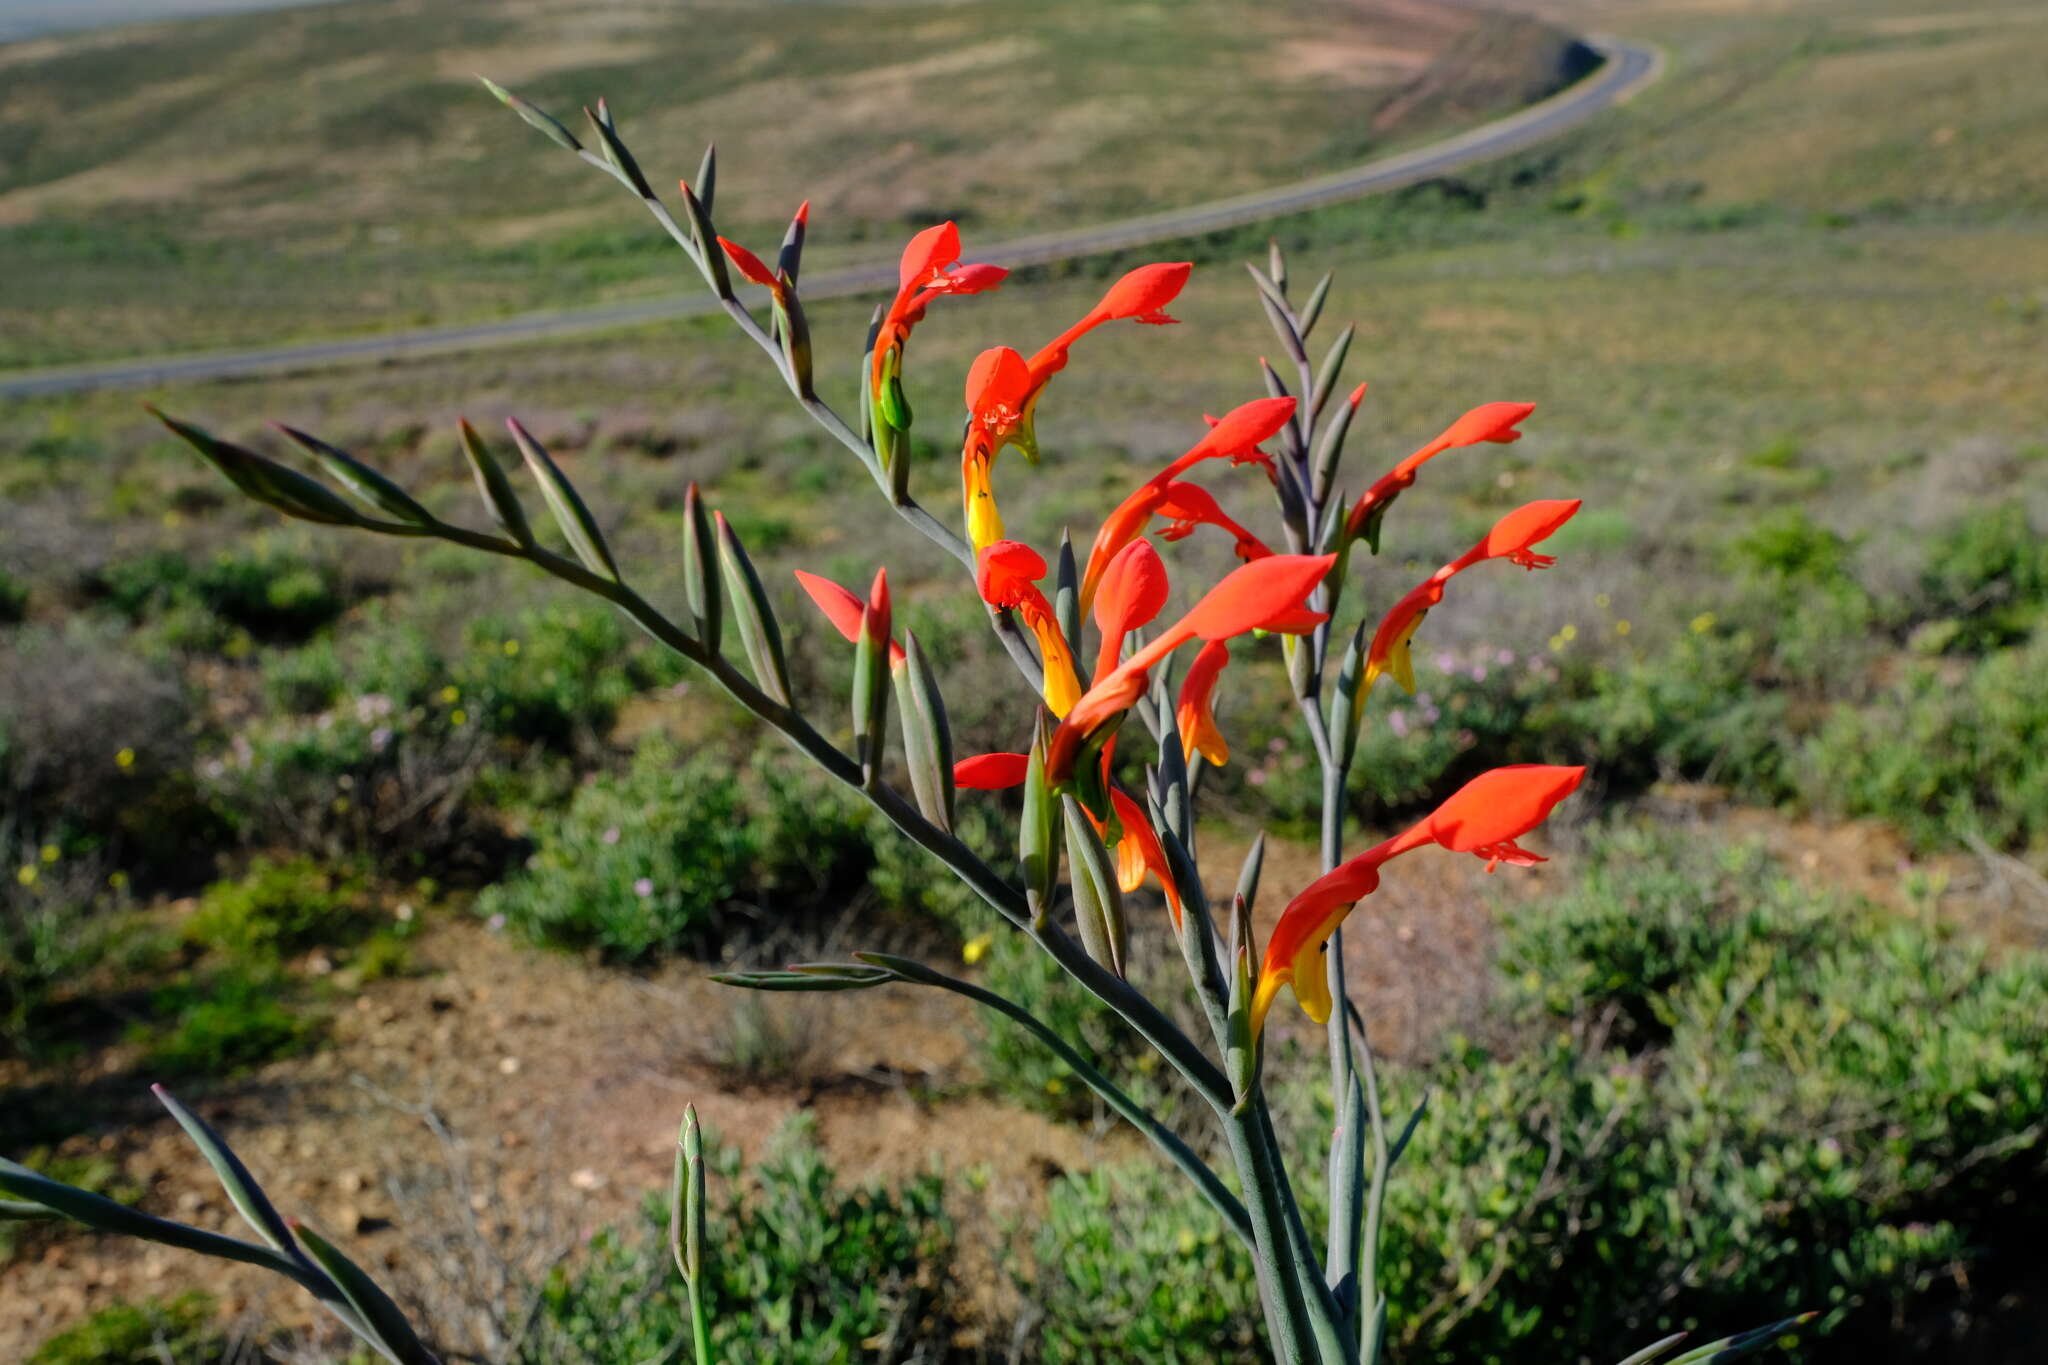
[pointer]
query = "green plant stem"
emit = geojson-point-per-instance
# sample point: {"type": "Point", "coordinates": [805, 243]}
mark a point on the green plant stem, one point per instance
{"type": "Point", "coordinates": [700, 1328]}
{"type": "Point", "coordinates": [1168, 1141]}
{"type": "Point", "coordinates": [1273, 1253]}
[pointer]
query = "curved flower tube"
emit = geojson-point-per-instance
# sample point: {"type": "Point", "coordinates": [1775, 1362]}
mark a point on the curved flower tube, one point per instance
{"type": "Point", "coordinates": [930, 267]}
{"type": "Point", "coordinates": [1494, 422]}
{"type": "Point", "coordinates": [1484, 818]}
{"type": "Point", "coordinates": [1512, 538]}
{"type": "Point", "coordinates": [1196, 711]}
{"type": "Point", "coordinates": [1134, 591]}
{"type": "Point", "coordinates": [1236, 437]}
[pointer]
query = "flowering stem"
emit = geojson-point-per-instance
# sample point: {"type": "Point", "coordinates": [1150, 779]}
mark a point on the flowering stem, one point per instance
{"type": "Point", "coordinates": [1274, 1256]}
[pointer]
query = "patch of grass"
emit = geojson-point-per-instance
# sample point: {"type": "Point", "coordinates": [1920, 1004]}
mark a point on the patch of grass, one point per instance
{"type": "Point", "coordinates": [277, 908]}
{"type": "Point", "coordinates": [146, 1333]}
{"type": "Point", "coordinates": [222, 1022]}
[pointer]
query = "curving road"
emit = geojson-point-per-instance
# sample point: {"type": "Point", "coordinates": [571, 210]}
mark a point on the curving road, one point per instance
{"type": "Point", "coordinates": [1627, 67]}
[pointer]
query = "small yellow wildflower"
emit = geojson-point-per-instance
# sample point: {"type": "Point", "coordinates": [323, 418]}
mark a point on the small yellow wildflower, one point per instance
{"type": "Point", "coordinates": [50, 853]}
{"type": "Point", "coordinates": [458, 717]}
{"type": "Point", "coordinates": [118, 880]}
{"type": "Point", "coordinates": [1703, 623]}
{"type": "Point", "coordinates": [1603, 601]}
{"type": "Point", "coordinates": [1568, 634]}
{"type": "Point", "coordinates": [976, 948]}
{"type": "Point", "coordinates": [1622, 627]}
{"type": "Point", "coordinates": [26, 874]}
{"type": "Point", "coordinates": [451, 694]}
{"type": "Point", "coordinates": [124, 759]}
{"type": "Point", "coordinates": [511, 649]}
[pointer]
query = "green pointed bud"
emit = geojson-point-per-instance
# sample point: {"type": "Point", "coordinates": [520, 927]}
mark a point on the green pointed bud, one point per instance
{"type": "Point", "coordinates": [1066, 597]}
{"type": "Point", "coordinates": [1313, 309]}
{"type": "Point", "coordinates": [760, 637]}
{"type": "Point", "coordinates": [707, 176]}
{"type": "Point", "coordinates": [1348, 715]}
{"type": "Point", "coordinates": [700, 570]}
{"type": "Point", "coordinates": [534, 115]}
{"type": "Point", "coordinates": [1347, 1175]}
{"type": "Point", "coordinates": [694, 1211]}
{"type": "Point", "coordinates": [358, 478]}
{"type": "Point", "coordinates": [796, 339]}
{"type": "Point", "coordinates": [494, 486]}
{"type": "Point", "coordinates": [867, 369]}
{"type": "Point", "coordinates": [871, 670]}
{"type": "Point", "coordinates": [1300, 654]}
{"type": "Point", "coordinates": [1038, 859]}
{"type": "Point", "coordinates": [1274, 295]}
{"type": "Point", "coordinates": [710, 258]}
{"type": "Point", "coordinates": [615, 151]}
{"type": "Point", "coordinates": [1174, 803]}
{"type": "Point", "coordinates": [1276, 264]}
{"type": "Point", "coordinates": [1248, 875]}
{"type": "Point", "coordinates": [1326, 377]}
{"type": "Point", "coordinates": [1240, 1045]}
{"type": "Point", "coordinates": [1374, 520]}
{"type": "Point", "coordinates": [1330, 449]}
{"type": "Point", "coordinates": [265, 480]}
{"type": "Point", "coordinates": [578, 526]}
{"type": "Point", "coordinates": [373, 1307]}
{"type": "Point", "coordinates": [790, 257]}
{"type": "Point", "coordinates": [927, 738]}
{"type": "Point", "coordinates": [1292, 498]}
{"type": "Point", "coordinates": [1098, 900]}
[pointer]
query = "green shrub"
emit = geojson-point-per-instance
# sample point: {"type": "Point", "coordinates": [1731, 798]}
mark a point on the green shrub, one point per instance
{"type": "Point", "coordinates": [218, 1023]}
{"type": "Point", "coordinates": [1949, 752]}
{"type": "Point", "coordinates": [277, 908]}
{"type": "Point", "coordinates": [1988, 576]}
{"type": "Point", "coordinates": [1765, 1102]}
{"type": "Point", "coordinates": [666, 854]}
{"type": "Point", "coordinates": [1790, 544]}
{"type": "Point", "coordinates": [800, 1270]}
{"type": "Point", "coordinates": [272, 594]}
{"type": "Point", "coordinates": [147, 1333]}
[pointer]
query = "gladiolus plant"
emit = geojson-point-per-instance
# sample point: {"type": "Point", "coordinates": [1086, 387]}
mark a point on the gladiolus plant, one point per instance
{"type": "Point", "coordinates": [1102, 806]}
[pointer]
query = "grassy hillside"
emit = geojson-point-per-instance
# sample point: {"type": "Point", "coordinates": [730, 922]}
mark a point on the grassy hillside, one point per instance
{"type": "Point", "coordinates": [337, 169]}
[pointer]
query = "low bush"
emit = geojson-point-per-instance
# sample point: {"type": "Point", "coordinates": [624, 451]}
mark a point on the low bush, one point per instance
{"type": "Point", "coordinates": [1987, 578]}
{"type": "Point", "coordinates": [800, 1270]}
{"type": "Point", "coordinates": [1951, 751]}
{"type": "Point", "coordinates": [1737, 1103]}
{"type": "Point", "coordinates": [221, 1022]}
{"type": "Point", "coordinates": [277, 908]}
{"type": "Point", "coordinates": [151, 1332]}
{"type": "Point", "coordinates": [674, 852]}
{"type": "Point", "coordinates": [271, 593]}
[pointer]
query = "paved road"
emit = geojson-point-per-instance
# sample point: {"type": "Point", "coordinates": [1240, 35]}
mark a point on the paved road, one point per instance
{"type": "Point", "coordinates": [1627, 68]}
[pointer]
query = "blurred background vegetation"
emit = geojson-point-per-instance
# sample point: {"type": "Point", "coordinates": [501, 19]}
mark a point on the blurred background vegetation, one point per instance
{"type": "Point", "coordinates": [409, 864]}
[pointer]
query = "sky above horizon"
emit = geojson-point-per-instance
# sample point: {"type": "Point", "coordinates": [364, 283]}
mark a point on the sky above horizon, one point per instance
{"type": "Point", "coordinates": [29, 18]}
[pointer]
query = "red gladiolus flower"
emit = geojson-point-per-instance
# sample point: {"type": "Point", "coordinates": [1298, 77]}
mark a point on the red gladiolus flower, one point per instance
{"type": "Point", "coordinates": [1007, 576]}
{"type": "Point", "coordinates": [1250, 597]}
{"type": "Point", "coordinates": [930, 267]}
{"type": "Point", "coordinates": [752, 266]}
{"type": "Point", "coordinates": [845, 609]}
{"type": "Point", "coordinates": [1195, 712]}
{"type": "Point", "coordinates": [991, 772]}
{"type": "Point", "coordinates": [1495, 422]}
{"type": "Point", "coordinates": [1484, 817]}
{"type": "Point", "coordinates": [1134, 590]}
{"type": "Point", "coordinates": [1235, 437]}
{"type": "Point", "coordinates": [1512, 538]}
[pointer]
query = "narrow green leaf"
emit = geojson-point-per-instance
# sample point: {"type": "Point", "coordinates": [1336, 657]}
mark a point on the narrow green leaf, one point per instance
{"type": "Point", "coordinates": [1330, 450]}
{"type": "Point", "coordinates": [1400, 1143]}
{"type": "Point", "coordinates": [570, 513]}
{"type": "Point", "coordinates": [21, 1211]}
{"type": "Point", "coordinates": [927, 737]}
{"type": "Point", "coordinates": [242, 1189]}
{"type": "Point", "coordinates": [1098, 901]}
{"type": "Point", "coordinates": [1347, 716]}
{"type": "Point", "coordinates": [848, 979]}
{"type": "Point", "coordinates": [1743, 1343]}
{"type": "Point", "coordinates": [366, 483]}
{"type": "Point", "coordinates": [1283, 328]}
{"type": "Point", "coordinates": [1269, 291]}
{"type": "Point", "coordinates": [1240, 1044]}
{"type": "Point", "coordinates": [534, 115]}
{"type": "Point", "coordinates": [760, 637]}
{"type": "Point", "coordinates": [105, 1215]}
{"type": "Point", "coordinates": [495, 488]}
{"type": "Point", "coordinates": [615, 151]}
{"type": "Point", "coordinates": [1347, 1178]}
{"type": "Point", "coordinates": [1655, 1350]}
{"type": "Point", "coordinates": [371, 1304]}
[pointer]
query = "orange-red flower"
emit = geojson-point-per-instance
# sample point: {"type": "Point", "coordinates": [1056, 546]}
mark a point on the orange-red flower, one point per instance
{"type": "Point", "coordinates": [1133, 591]}
{"type": "Point", "coordinates": [1251, 597]}
{"type": "Point", "coordinates": [1236, 437]}
{"type": "Point", "coordinates": [1138, 851]}
{"type": "Point", "coordinates": [930, 268]}
{"type": "Point", "coordinates": [1007, 575]}
{"type": "Point", "coordinates": [1196, 710]}
{"type": "Point", "coordinates": [1512, 538]}
{"type": "Point", "coordinates": [1495, 422]}
{"type": "Point", "coordinates": [845, 610]}
{"type": "Point", "coordinates": [1484, 818]}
